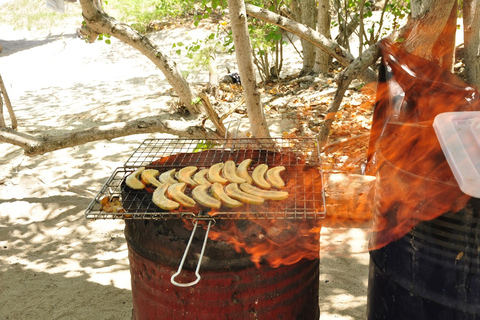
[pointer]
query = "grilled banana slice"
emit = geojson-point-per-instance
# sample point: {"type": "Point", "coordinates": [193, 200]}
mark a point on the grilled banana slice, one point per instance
{"type": "Point", "coordinates": [160, 200]}
{"type": "Point", "coordinates": [266, 194]}
{"type": "Point", "coordinates": [149, 176]}
{"type": "Point", "coordinates": [200, 194]}
{"type": "Point", "coordinates": [214, 173]}
{"type": "Point", "coordinates": [133, 180]}
{"type": "Point", "coordinates": [230, 173]}
{"type": "Point", "coordinates": [176, 192]}
{"type": "Point", "coordinates": [167, 177]}
{"type": "Point", "coordinates": [219, 193]}
{"type": "Point", "coordinates": [199, 177]}
{"type": "Point", "coordinates": [233, 191]}
{"type": "Point", "coordinates": [258, 176]}
{"type": "Point", "coordinates": [185, 175]}
{"type": "Point", "coordinates": [274, 178]}
{"type": "Point", "coordinates": [242, 170]}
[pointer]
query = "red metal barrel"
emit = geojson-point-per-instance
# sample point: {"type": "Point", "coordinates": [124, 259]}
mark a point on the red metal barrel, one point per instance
{"type": "Point", "coordinates": [231, 287]}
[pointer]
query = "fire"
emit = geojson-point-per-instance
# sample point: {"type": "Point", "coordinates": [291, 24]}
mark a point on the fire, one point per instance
{"type": "Point", "coordinates": [272, 240]}
{"type": "Point", "coordinates": [414, 180]}
{"type": "Point", "coordinates": [277, 242]}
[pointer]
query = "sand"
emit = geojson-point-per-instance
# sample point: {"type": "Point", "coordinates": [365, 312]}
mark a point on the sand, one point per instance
{"type": "Point", "coordinates": [55, 264]}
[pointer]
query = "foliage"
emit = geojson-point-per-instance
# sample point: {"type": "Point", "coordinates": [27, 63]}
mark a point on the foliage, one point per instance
{"type": "Point", "coordinates": [140, 13]}
{"type": "Point", "coordinates": [34, 14]}
{"type": "Point", "coordinates": [201, 51]}
{"type": "Point", "coordinates": [373, 18]}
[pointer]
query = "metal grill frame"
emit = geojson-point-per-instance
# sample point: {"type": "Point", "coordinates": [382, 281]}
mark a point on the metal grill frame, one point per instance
{"type": "Point", "coordinates": [151, 150]}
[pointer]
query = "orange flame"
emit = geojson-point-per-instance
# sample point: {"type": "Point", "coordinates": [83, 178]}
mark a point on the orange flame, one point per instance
{"type": "Point", "coordinates": [278, 242]}
{"type": "Point", "coordinates": [414, 181]}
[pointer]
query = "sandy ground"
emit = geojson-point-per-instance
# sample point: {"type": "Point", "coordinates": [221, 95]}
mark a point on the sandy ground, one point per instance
{"type": "Point", "coordinates": [55, 264]}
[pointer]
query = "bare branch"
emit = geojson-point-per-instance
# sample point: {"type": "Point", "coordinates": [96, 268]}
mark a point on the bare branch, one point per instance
{"type": "Point", "coordinates": [98, 22]}
{"type": "Point", "coordinates": [344, 79]}
{"type": "Point", "coordinates": [3, 92]}
{"type": "Point", "coordinates": [331, 47]}
{"type": "Point", "coordinates": [55, 140]}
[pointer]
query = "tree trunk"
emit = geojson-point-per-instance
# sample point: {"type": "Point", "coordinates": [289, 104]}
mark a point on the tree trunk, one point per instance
{"type": "Point", "coordinates": [54, 140]}
{"type": "Point", "coordinates": [323, 59]}
{"type": "Point", "coordinates": [332, 48]}
{"type": "Point", "coordinates": [213, 81]}
{"type": "Point", "coordinates": [98, 22]}
{"type": "Point", "coordinates": [431, 33]}
{"type": "Point", "coordinates": [244, 54]}
{"type": "Point", "coordinates": [471, 24]}
{"type": "Point", "coordinates": [308, 16]}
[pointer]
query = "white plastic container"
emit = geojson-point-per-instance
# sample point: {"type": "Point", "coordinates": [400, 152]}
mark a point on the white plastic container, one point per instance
{"type": "Point", "coordinates": [459, 137]}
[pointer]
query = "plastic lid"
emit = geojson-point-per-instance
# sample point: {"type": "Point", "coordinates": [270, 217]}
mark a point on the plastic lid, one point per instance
{"type": "Point", "coordinates": [459, 137]}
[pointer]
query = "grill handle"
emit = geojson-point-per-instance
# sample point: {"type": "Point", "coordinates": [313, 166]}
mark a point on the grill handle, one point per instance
{"type": "Point", "coordinates": [180, 267]}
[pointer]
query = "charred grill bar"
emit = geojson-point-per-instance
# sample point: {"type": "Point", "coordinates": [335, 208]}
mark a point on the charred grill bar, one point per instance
{"type": "Point", "coordinates": [264, 261]}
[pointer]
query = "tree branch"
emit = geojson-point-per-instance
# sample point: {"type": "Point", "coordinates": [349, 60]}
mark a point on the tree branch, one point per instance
{"type": "Point", "coordinates": [97, 22]}
{"type": "Point", "coordinates": [344, 79]}
{"type": "Point", "coordinates": [55, 140]}
{"type": "Point", "coordinates": [331, 47]}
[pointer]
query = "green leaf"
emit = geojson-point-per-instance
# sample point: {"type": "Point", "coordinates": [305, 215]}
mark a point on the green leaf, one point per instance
{"type": "Point", "coordinates": [179, 52]}
{"type": "Point", "coordinates": [204, 145]}
{"type": "Point", "coordinates": [196, 100]}
{"type": "Point", "coordinates": [108, 41]}
{"type": "Point", "coordinates": [400, 40]}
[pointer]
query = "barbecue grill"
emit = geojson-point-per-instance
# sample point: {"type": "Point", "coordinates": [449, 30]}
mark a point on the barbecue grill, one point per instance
{"type": "Point", "coordinates": [303, 177]}
{"type": "Point", "coordinates": [300, 156]}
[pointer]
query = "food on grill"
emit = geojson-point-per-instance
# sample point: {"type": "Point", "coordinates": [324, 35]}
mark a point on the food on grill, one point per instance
{"type": "Point", "coordinates": [258, 176]}
{"type": "Point", "coordinates": [266, 194]}
{"type": "Point", "coordinates": [160, 199]}
{"type": "Point", "coordinates": [176, 192]}
{"type": "Point", "coordinates": [274, 178]}
{"type": "Point", "coordinates": [149, 176]}
{"type": "Point", "coordinates": [199, 177]}
{"type": "Point", "coordinates": [185, 175]}
{"type": "Point", "coordinates": [167, 177]}
{"type": "Point", "coordinates": [219, 193]}
{"type": "Point", "coordinates": [133, 180]}
{"type": "Point", "coordinates": [242, 170]}
{"type": "Point", "coordinates": [233, 191]}
{"type": "Point", "coordinates": [112, 205]}
{"type": "Point", "coordinates": [214, 173]}
{"type": "Point", "coordinates": [200, 194]}
{"type": "Point", "coordinates": [230, 173]}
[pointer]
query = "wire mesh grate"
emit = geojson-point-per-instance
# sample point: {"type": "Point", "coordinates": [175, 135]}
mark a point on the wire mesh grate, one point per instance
{"type": "Point", "coordinates": [300, 156]}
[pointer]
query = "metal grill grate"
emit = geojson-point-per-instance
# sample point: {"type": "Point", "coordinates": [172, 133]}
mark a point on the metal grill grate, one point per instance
{"type": "Point", "coordinates": [300, 156]}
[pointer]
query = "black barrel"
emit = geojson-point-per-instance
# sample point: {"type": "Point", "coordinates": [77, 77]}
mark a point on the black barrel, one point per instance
{"type": "Point", "coordinates": [431, 273]}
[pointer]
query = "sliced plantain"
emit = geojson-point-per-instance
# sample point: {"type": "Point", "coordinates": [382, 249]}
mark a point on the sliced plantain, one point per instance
{"type": "Point", "coordinates": [230, 173]}
{"type": "Point", "coordinates": [149, 176]}
{"type": "Point", "coordinates": [233, 191]}
{"type": "Point", "coordinates": [199, 177]}
{"type": "Point", "coordinates": [200, 194]}
{"type": "Point", "coordinates": [213, 174]}
{"type": "Point", "coordinates": [176, 192]}
{"type": "Point", "coordinates": [242, 170]}
{"type": "Point", "coordinates": [185, 175]}
{"type": "Point", "coordinates": [219, 193]}
{"type": "Point", "coordinates": [133, 180]}
{"type": "Point", "coordinates": [160, 199]}
{"type": "Point", "coordinates": [258, 176]}
{"type": "Point", "coordinates": [274, 178]}
{"type": "Point", "coordinates": [167, 177]}
{"type": "Point", "coordinates": [266, 194]}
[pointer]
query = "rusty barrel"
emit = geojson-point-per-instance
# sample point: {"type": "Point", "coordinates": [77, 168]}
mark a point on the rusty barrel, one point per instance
{"type": "Point", "coordinates": [231, 285]}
